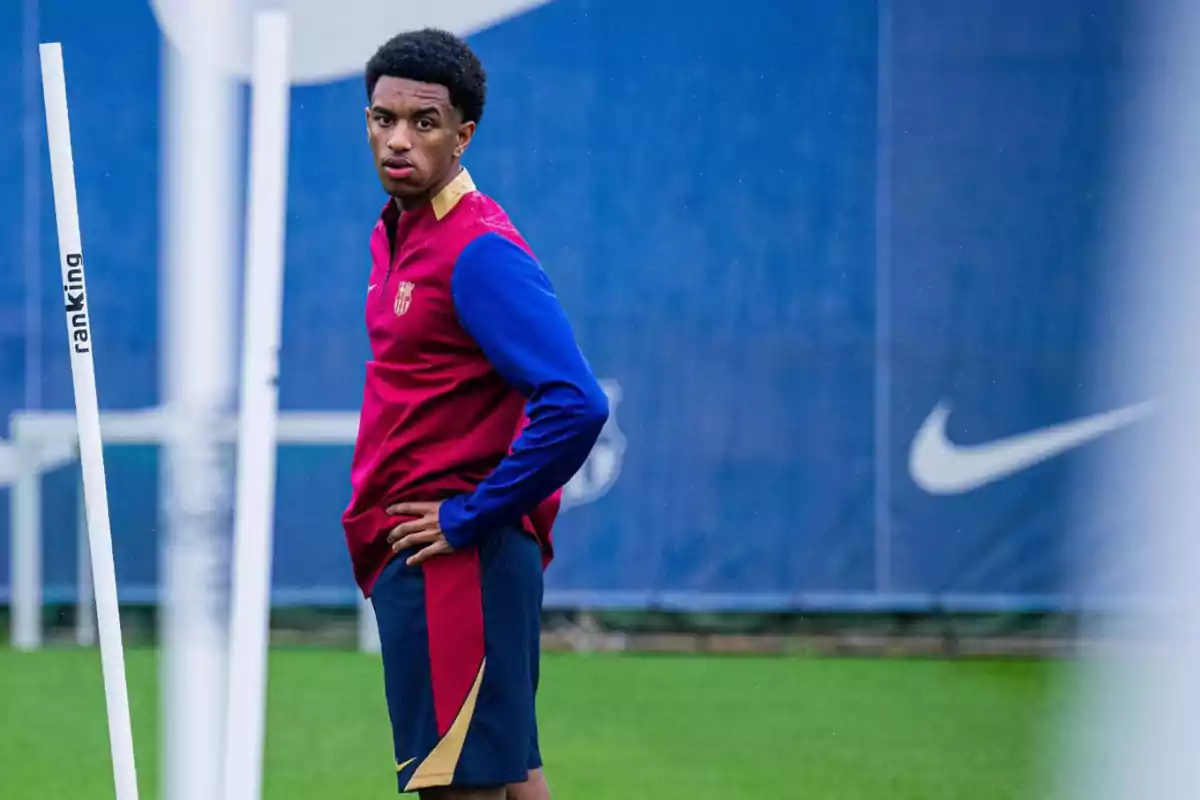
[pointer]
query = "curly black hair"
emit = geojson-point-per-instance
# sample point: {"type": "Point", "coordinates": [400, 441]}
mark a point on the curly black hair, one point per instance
{"type": "Point", "coordinates": [433, 56]}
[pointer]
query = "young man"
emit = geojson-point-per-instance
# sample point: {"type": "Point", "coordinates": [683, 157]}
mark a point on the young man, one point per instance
{"type": "Point", "coordinates": [478, 407]}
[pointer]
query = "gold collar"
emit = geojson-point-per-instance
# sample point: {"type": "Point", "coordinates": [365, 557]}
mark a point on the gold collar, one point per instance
{"type": "Point", "coordinates": [445, 200]}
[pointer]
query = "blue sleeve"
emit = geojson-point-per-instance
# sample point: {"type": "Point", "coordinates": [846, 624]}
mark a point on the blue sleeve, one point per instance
{"type": "Point", "coordinates": [506, 303]}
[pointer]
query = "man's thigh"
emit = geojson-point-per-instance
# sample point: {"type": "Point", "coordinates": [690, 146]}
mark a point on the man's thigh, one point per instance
{"type": "Point", "coordinates": [459, 636]}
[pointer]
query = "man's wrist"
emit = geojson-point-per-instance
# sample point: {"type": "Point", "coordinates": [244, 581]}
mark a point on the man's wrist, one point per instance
{"type": "Point", "coordinates": [455, 522]}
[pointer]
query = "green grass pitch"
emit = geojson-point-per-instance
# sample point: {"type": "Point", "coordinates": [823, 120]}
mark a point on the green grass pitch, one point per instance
{"type": "Point", "coordinates": [687, 727]}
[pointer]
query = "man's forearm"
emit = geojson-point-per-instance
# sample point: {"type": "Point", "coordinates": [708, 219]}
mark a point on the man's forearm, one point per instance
{"type": "Point", "coordinates": [506, 302]}
{"type": "Point", "coordinates": [563, 428]}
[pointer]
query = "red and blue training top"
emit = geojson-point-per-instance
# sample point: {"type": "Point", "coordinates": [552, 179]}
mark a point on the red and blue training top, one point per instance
{"type": "Point", "coordinates": [476, 392]}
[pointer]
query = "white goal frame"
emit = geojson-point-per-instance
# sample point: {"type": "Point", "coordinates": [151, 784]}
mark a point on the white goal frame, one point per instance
{"type": "Point", "coordinates": [42, 441]}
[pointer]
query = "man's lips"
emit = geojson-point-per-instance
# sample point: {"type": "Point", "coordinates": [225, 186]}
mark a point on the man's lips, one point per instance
{"type": "Point", "coordinates": [398, 168]}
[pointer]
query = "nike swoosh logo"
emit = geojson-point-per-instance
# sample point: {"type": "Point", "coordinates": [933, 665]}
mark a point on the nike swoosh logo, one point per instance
{"type": "Point", "coordinates": [400, 767]}
{"type": "Point", "coordinates": [939, 466]}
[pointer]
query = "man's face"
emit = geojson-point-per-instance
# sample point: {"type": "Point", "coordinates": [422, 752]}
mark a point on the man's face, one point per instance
{"type": "Point", "coordinates": [416, 136]}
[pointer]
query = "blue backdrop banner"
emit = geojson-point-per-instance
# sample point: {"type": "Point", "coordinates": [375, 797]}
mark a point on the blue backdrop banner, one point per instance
{"type": "Point", "coordinates": [802, 243]}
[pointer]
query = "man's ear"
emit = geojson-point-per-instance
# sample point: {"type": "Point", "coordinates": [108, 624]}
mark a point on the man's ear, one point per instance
{"type": "Point", "coordinates": [466, 131]}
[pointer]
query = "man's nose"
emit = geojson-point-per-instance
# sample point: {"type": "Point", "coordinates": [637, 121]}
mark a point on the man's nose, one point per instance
{"type": "Point", "coordinates": [399, 141]}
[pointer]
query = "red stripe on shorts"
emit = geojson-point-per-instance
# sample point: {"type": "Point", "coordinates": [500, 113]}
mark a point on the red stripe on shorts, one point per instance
{"type": "Point", "coordinates": [454, 617]}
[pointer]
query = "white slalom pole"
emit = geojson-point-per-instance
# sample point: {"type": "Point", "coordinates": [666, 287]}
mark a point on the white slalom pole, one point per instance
{"type": "Point", "coordinates": [85, 604]}
{"type": "Point", "coordinates": [1135, 722]}
{"type": "Point", "coordinates": [87, 414]}
{"type": "Point", "coordinates": [262, 320]}
{"type": "Point", "coordinates": [198, 364]}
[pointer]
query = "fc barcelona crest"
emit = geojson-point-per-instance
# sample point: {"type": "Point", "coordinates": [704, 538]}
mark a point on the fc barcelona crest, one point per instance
{"type": "Point", "coordinates": [403, 297]}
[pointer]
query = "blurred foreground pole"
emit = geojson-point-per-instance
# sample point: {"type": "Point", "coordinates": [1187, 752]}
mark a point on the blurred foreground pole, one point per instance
{"type": "Point", "coordinates": [1134, 732]}
{"type": "Point", "coordinates": [198, 322]}
{"type": "Point", "coordinates": [254, 517]}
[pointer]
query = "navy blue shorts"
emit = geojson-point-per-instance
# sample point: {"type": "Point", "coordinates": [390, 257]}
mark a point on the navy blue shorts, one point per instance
{"type": "Point", "coordinates": [461, 644]}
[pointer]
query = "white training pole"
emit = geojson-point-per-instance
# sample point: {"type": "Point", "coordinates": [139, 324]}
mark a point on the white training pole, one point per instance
{"type": "Point", "coordinates": [257, 429]}
{"type": "Point", "coordinates": [85, 603]}
{"type": "Point", "coordinates": [1138, 703]}
{"type": "Point", "coordinates": [87, 413]}
{"type": "Point", "coordinates": [201, 122]}
{"type": "Point", "coordinates": [368, 629]}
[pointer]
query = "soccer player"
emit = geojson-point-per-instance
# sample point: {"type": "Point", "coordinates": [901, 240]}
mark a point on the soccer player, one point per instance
{"type": "Point", "coordinates": [478, 407]}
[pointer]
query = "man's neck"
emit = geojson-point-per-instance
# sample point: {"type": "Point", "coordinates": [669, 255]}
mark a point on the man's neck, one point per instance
{"type": "Point", "coordinates": [416, 201]}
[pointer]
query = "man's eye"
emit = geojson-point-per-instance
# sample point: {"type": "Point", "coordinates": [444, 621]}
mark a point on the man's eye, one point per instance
{"type": "Point", "coordinates": [382, 119]}
{"type": "Point", "coordinates": [425, 124]}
